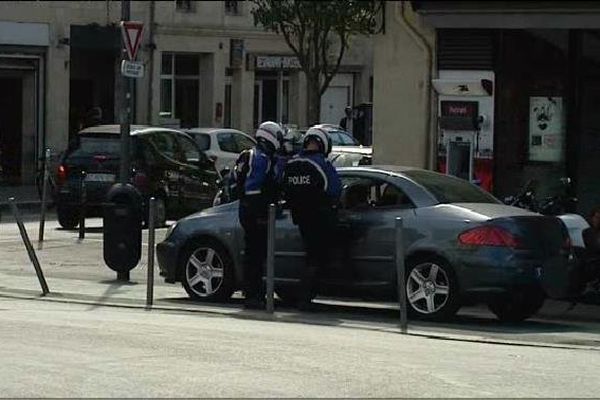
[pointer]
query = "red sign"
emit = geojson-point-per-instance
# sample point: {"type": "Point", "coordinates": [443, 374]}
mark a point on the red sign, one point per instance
{"type": "Point", "coordinates": [132, 36]}
{"type": "Point", "coordinates": [459, 109]}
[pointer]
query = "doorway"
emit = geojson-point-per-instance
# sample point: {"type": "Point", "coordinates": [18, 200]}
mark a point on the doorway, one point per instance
{"type": "Point", "coordinates": [11, 122]}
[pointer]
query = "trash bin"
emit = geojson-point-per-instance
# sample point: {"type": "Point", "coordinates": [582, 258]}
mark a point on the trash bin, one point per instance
{"type": "Point", "coordinates": [123, 229]}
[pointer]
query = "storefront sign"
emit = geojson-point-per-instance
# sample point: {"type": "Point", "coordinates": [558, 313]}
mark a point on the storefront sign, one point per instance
{"type": "Point", "coordinates": [277, 62]}
{"type": "Point", "coordinates": [546, 129]}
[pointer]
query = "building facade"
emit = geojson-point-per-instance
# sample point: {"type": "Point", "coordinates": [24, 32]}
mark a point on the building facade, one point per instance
{"type": "Point", "coordinates": [501, 93]}
{"type": "Point", "coordinates": [206, 64]}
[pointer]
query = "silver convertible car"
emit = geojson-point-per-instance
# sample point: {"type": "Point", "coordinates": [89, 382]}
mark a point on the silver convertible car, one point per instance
{"type": "Point", "coordinates": [462, 246]}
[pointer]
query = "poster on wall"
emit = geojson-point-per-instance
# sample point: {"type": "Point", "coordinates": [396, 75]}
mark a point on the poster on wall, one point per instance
{"type": "Point", "coordinates": [546, 129]}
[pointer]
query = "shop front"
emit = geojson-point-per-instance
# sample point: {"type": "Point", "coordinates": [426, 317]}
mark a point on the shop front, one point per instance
{"type": "Point", "coordinates": [518, 96]}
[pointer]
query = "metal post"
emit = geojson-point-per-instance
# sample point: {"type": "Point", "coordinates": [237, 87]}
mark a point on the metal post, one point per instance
{"type": "Point", "coordinates": [150, 280]}
{"type": "Point", "coordinates": [271, 259]}
{"type": "Point", "coordinates": [44, 199]}
{"type": "Point", "coordinates": [280, 95]}
{"type": "Point", "coordinates": [401, 273]}
{"type": "Point", "coordinates": [125, 117]}
{"type": "Point", "coordinates": [29, 247]}
{"type": "Point", "coordinates": [83, 200]}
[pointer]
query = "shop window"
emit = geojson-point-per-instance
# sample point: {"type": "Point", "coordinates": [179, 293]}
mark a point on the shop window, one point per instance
{"type": "Point", "coordinates": [232, 8]}
{"type": "Point", "coordinates": [184, 6]}
{"type": "Point", "coordinates": [180, 88]}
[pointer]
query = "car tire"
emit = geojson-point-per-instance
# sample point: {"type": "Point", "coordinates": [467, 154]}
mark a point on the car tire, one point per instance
{"type": "Point", "coordinates": [432, 291]}
{"type": "Point", "coordinates": [518, 305]}
{"type": "Point", "coordinates": [67, 218]}
{"type": "Point", "coordinates": [207, 271]}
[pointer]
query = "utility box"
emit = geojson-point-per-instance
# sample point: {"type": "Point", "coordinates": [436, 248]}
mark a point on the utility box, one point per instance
{"type": "Point", "coordinates": [123, 229]}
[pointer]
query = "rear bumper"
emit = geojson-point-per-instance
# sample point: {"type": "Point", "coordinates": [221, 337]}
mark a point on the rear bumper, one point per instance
{"type": "Point", "coordinates": [493, 271]}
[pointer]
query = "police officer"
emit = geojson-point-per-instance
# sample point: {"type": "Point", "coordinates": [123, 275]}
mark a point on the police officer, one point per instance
{"type": "Point", "coordinates": [312, 189]}
{"type": "Point", "coordinates": [254, 174]}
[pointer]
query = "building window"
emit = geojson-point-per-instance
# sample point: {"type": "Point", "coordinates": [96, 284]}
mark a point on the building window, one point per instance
{"type": "Point", "coordinates": [184, 6]}
{"type": "Point", "coordinates": [232, 7]}
{"type": "Point", "coordinates": [180, 88]}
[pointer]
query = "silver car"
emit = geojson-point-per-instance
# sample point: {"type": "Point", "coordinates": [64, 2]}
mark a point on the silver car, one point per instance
{"type": "Point", "coordinates": [461, 244]}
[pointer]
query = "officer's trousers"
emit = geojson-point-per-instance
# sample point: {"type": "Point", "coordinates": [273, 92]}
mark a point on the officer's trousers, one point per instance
{"type": "Point", "coordinates": [317, 234]}
{"type": "Point", "coordinates": [255, 254]}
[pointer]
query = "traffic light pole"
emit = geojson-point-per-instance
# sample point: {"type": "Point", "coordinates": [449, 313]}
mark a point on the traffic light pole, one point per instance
{"type": "Point", "coordinates": [125, 114]}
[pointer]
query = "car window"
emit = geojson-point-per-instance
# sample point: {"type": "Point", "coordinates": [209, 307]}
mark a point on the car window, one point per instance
{"type": "Point", "coordinates": [203, 141]}
{"type": "Point", "coordinates": [335, 138]}
{"type": "Point", "coordinates": [189, 150]}
{"type": "Point", "coordinates": [347, 140]}
{"type": "Point", "coordinates": [227, 142]}
{"type": "Point", "coordinates": [165, 144]}
{"type": "Point", "coordinates": [243, 142]}
{"type": "Point", "coordinates": [361, 193]}
{"type": "Point", "coordinates": [449, 189]}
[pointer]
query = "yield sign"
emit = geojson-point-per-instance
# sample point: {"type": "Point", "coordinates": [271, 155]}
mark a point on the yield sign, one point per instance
{"type": "Point", "coordinates": [132, 36]}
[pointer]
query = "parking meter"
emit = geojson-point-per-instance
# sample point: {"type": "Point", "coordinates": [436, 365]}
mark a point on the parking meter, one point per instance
{"type": "Point", "coordinates": [123, 229]}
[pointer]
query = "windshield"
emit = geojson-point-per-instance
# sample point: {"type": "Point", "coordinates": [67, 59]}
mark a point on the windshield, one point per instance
{"type": "Point", "coordinates": [449, 189]}
{"type": "Point", "coordinates": [93, 145]}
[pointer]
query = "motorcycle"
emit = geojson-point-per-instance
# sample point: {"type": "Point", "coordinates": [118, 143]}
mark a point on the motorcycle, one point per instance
{"type": "Point", "coordinates": [562, 205]}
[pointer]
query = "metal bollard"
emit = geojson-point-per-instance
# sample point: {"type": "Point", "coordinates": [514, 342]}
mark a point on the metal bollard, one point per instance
{"type": "Point", "coordinates": [29, 247]}
{"type": "Point", "coordinates": [82, 198]}
{"type": "Point", "coordinates": [44, 200]}
{"type": "Point", "coordinates": [271, 259]}
{"type": "Point", "coordinates": [401, 274]}
{"type": "Point", "coordinates": [151, 237]}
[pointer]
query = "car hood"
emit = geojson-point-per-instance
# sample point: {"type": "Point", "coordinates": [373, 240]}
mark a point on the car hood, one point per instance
{"type": "Point", "coordinates": [222, 209]}
{"type": "Point", "coordinates": [481, 211]}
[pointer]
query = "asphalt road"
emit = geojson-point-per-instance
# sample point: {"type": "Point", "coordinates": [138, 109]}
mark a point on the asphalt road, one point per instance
{"type": "Point", "coordinates": [70, 350]}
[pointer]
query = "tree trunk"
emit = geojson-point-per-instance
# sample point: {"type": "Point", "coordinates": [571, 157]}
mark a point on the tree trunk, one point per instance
{"type": "Point", "coordinates": [313, 99]}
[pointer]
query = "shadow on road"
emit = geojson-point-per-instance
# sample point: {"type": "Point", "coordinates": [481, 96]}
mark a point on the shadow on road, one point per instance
{"type": "Point", "coordinates": [334, 314]}
{"type": "Point", "coordinates": [113, 288]}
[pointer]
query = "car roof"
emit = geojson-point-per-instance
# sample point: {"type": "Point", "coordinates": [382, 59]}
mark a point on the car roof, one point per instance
{"type": "Point", "coordinates": [116, 129]}
{"type": "Point", "coordinates": [213, 130]}
{"type": "Point", "coordinates": [388, 169]}
{"type": "Point", "coordinates": [364, 150]}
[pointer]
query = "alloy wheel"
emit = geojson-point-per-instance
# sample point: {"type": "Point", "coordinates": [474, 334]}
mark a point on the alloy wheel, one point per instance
{"type": "Point", "coordinates": [204, 272]}
{"type": "Point", "coordinates": [427, 288]}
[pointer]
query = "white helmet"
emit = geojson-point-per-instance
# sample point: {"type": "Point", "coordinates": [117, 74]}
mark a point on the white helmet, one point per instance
{"type": "Point", "coordinates": [321, 136]}
{"type": "Point", "coordinates": [270, 132]}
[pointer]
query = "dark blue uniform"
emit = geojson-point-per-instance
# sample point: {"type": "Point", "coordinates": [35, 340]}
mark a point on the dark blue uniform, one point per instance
{"type": "Point", "coordinates": [312, 189]}
{"type": "Point", "coordinates": [256, 185]}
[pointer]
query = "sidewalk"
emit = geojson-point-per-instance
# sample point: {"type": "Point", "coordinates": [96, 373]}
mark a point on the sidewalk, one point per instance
{"type": "Point", "coordinates": [75, 272]}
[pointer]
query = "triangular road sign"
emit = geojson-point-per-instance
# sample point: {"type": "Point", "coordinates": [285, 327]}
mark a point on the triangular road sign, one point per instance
{"type": "Point", "coordinates": [132, 36]}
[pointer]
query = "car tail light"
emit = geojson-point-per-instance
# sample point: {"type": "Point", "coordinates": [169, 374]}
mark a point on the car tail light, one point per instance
{"type": "Point", "coordinates": [61, 175]}
{"type": "Point", "coordinates": [140, 180]}
{"type": "Point", "coordinates": [489, 236]}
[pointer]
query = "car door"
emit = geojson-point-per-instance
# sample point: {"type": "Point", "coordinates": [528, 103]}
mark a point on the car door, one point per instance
{"type": "Point", "coordinates": [198, 180]}
{"type": "Point", "coordinates": [167, 167]}
{"type": "Point", "coordinates": [369, 207]}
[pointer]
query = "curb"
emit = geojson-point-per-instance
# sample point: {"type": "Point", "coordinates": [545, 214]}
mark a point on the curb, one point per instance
{"type": "Point", "coordinates": [68, 298]}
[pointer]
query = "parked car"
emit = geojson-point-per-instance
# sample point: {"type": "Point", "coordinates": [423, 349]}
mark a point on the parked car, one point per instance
{"type": "Point", "coordinates": [338, 136]}
{"type": "Point", "coordinates": [351, 156]}
{"type": "Point", "coordinates": [461, 245]}
{"type": "Point", "coordinates": [222, 145]}
{"type": "Point", "coordinates": [165, 163]}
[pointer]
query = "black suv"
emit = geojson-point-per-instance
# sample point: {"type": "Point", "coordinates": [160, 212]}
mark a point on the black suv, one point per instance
{"type": "Point", "coordinates": [165, 163]}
